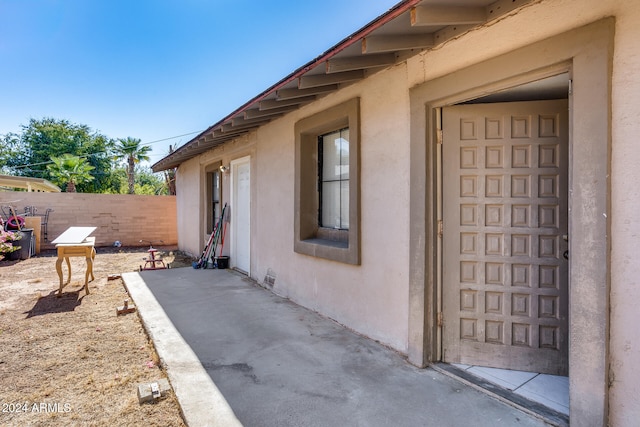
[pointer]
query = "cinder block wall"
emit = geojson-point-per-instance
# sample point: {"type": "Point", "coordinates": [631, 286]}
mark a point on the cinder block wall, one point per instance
{"type": "Point", "coordinates": [124, 217]}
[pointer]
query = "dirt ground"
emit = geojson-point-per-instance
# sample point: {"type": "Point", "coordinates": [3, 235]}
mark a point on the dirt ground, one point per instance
{"type": "Point", "coordinates": [73, 360]}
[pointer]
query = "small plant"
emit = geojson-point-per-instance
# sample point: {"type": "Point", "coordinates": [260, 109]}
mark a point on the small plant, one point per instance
{"type": "Point", "coordinates": [7, 239]}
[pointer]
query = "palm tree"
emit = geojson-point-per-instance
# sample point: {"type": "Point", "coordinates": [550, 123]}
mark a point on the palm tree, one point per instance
{"type": "Point", "coordinates": [170, 177]}
{"type": "Point", "coordinates": [71, 170]}
{"type": "Point", "coordinates": [130, 150]}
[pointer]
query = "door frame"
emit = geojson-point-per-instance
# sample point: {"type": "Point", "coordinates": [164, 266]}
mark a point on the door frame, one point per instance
{"type": "Point", "coordinates": [586, 54]}
{"type": "Point", "coordinates": [232, 199]}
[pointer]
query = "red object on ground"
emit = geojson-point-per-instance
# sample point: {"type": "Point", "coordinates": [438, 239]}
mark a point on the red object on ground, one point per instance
{"type": "Point", "coordinates": [15, 223]}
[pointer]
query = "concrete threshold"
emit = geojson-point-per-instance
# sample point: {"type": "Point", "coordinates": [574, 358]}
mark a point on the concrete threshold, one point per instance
{"type": "Point", "coordinates": [548, 415]}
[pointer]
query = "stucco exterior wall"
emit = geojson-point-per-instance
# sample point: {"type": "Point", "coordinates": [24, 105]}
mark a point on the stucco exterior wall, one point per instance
{"type": "Point", "coordinates": [189, 216]}
{"type": "Point", "coordinates": [624, 409]}
{"type": "Point", "coordinates": [372, 297]}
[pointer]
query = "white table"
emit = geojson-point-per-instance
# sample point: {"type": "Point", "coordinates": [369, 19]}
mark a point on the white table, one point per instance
{"type": "Point", "coordinates": [75, 242]}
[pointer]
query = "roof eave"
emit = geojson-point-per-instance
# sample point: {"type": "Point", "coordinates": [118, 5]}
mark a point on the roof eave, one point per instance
{"type": "Point", "coordinates": [409, 27]}
{"type": "Point", "coordinates": [179, 155]}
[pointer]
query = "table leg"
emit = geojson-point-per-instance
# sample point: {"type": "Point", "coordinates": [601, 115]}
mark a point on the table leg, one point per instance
{"type": "Point", "coordinates": [59, 270]}
{"type": "Point", "coordinates": [89, 272]}
{"type": "Point", "coordinates": [68, 267]}
{"type": "Point", "coordinates": [93, 258]}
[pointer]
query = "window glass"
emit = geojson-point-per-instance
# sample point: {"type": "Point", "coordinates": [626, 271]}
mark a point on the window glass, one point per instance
{"type": "Point", "coordinates": [331, 204]}
{"type": "Point", "coordinates": [344, 205]}
{"type": "Point", "coordinates": [334, 180]}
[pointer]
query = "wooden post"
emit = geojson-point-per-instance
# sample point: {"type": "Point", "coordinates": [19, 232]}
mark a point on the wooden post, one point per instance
{"type": "Point", "coordinates": [35, 222]}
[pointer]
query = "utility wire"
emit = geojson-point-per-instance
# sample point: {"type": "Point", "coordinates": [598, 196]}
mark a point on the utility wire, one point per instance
{"type": "Point", "coordinates": [105, 152]}
{"type": "Point", "coordinates": [172, 137]}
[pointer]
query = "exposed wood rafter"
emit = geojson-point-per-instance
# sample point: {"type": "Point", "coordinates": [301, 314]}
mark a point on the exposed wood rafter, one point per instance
{"type": "Point", "coordinates": [300, 93]}
{"type": "Point", "coordinates": [447, 15]}
{"type": "Point", "coordinates": [338, 65]}
{"type": "Point", "coordinates": [230, 127]}
{"type": "Point", "coordinates": [327, 79]}
{"type": "Point", "coordinates": [269, 104]}
{"type": "Point", "coordinates": [379, 44]}
{"type": "Point", "coordinates": [241, 121]}
{"type": "Point", "coordinates": [255, 113]}
{"type": "Point", "coordinates": [230, 132]}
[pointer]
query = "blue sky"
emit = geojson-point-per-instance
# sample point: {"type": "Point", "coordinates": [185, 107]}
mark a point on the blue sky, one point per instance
{"type": "Point", "coordinates": [156, 69]}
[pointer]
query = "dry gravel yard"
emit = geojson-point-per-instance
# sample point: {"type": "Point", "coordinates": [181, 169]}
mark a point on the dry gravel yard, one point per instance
{"type": "Point", "coordinates": [72, 360]}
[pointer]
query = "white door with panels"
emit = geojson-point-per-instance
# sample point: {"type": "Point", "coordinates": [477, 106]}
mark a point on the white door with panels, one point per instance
{"type": "Point", "coordinates": [241, 214]}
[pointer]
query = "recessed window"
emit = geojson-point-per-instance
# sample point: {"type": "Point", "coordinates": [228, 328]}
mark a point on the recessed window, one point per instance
{"type": "Point", "coordinates": [327, 203]}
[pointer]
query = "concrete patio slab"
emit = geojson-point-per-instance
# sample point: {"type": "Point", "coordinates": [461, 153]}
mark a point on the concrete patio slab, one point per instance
{"type": "Point", "coordinates": [201, 402]}
{"type": "Point", "coordinates": [238, 354]}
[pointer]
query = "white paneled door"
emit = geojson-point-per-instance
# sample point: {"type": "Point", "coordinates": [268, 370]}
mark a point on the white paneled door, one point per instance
{"type": "Point", "coordinates": [241, 214]}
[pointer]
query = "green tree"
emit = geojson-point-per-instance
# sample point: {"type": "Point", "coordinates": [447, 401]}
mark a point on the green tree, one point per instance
{"type": "Point", "coordinates": [31, 150]}
{"type": "Point", "coordinates": [130, 150]}
{"type": "Point", "coordinates": [118, 181]}
{"type": "Point", "coordinates": [70, 170]}
{"type": "Point", "coordinates": [146, 182]}
{"type": "Point", "coordinates": [9, 150]}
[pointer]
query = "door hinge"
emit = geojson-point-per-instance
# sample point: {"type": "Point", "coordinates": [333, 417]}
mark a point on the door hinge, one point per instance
{"type": "Point", "coordinates": [439, 136]}
{"type": "Point", "coordinates": [570, 87]}
{"type": "Point", "coordinates": [439, 319]}
{"type": "Point", "coordinates": [440, 228]}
